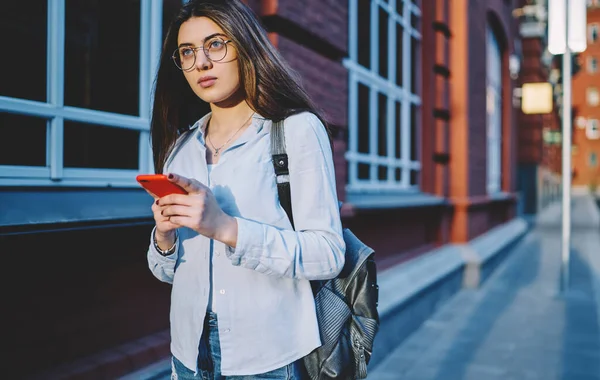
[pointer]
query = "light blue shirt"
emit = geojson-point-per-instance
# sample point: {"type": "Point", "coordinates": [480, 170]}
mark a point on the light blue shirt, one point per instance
{"type": "Point", "coordinates": [262, 293]}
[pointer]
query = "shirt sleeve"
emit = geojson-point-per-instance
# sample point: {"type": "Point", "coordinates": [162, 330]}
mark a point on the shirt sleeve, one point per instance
{"type": "Point", "coordinates": [316, 249]}
{"type": "Point", "coordinates": [162, 267]}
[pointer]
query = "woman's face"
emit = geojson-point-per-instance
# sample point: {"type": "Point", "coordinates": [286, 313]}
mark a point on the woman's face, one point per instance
{"type": "Point", "coordinates": [212, 81]}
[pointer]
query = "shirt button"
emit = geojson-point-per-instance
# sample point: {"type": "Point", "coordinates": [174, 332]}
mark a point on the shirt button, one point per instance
{"type": "Point", "coordinates": [227, 330]}
{"type": "Point", "coordinates": [222, 291]}
{"type": "Point", "coordinates": [218, 254]}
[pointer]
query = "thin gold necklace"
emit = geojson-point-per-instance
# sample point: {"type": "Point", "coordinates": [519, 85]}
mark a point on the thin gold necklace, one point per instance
{"type": "Point", "coordinates": [217, 150]}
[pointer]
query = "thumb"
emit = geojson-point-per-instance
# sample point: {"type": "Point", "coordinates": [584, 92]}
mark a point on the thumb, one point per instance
{"type": "Point", "coordinates": [188, 184]}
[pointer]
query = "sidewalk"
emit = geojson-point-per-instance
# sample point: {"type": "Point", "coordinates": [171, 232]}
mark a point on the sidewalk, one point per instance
{"type": "Point", "coordinates": [517, 326]}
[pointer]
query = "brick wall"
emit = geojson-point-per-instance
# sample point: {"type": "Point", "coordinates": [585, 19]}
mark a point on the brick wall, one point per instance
{"type": "Point", "coordinates": [312, 36]}
{"type": "Point", "coordinates": [325, 19]}
{"type": "Point", "coordinates": [586, 174]}
{"type": "Point", "coordinates": [476, 212]}
{"type": "Point", "coordinates": [325, 80]}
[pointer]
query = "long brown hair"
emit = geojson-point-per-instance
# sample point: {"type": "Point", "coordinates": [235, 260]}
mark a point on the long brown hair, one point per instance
{"type": "Point", "coordinates": [271, 87]}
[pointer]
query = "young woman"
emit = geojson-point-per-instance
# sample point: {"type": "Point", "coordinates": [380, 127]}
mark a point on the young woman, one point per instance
{"type": "Point", "coordinates": [241, 305]}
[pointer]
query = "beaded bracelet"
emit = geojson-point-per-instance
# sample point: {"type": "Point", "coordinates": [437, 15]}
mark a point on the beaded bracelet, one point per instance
{"type": "Point", "coordinates": [169, 251]}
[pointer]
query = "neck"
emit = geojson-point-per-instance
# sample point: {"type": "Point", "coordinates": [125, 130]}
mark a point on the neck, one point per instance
{"type": "Point", "coordinates": [228, 119]}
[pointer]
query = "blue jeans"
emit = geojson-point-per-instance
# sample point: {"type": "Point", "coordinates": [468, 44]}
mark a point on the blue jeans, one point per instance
{"type": "Point", "coordinates": [209, 361]}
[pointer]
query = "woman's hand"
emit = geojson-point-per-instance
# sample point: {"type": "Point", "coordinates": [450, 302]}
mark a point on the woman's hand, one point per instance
{"type": "Point", "coordinates": [165, 228]}
{"type": "Point", "coordinates": [197, 210]}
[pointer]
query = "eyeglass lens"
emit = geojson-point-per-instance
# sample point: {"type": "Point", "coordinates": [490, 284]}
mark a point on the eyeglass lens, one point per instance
{"type": "Point", "coordinates": [215, 50]}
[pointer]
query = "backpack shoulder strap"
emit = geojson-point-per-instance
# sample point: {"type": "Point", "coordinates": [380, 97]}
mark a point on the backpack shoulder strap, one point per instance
{"type": "Point", "coordinates": [280, 164]}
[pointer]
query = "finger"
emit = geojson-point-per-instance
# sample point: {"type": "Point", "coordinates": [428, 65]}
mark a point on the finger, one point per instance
{"type": "Point", "coordinates": [177, 199]}
{"type": "Point", "coordinates": [177, 210]}
{"type": "Point", "coordinates": [181, 221]}
{"type": "Point", "coordinates": [188, 184]}
{"type": "Point", "coordinates": [155, 205]}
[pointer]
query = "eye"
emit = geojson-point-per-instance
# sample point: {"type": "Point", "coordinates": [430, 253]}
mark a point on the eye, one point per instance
{"type": "Point", "coordinates": [186, 52]}
{"type": "Point", "coordinates": [215, 44]}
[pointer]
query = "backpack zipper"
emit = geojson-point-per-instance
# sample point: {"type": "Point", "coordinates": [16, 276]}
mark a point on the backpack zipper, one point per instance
{"type": "Point", "coordinates": [361, 368]}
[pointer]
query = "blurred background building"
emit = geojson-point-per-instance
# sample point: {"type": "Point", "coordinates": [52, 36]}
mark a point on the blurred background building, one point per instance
{"type": "Point", "coordinates": [431, 148]}
{"type": "Point", "coordinates": [586, 102]}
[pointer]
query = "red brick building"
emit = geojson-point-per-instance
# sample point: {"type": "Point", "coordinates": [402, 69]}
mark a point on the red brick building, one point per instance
{"type": "Point", "coordinates": [426, 148]}
{"type": "Point", "coordinates": [539, 145]}
{"type": "Point", "coordinates": [421, 98]}
{"type": "Point", "coordinates": [586, 103]}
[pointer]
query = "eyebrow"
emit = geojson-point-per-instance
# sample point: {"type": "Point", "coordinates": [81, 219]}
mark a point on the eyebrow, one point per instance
{"type": "Point", "coordinates": [204, 40]}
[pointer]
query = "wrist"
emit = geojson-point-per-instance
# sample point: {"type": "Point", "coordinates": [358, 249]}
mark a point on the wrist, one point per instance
{"type": "Point", "coordinates": [227, 231]}
{"type": "Point", "coordinates": [165, 244]}
{"type": "Point", "coordinates": [166, 238]}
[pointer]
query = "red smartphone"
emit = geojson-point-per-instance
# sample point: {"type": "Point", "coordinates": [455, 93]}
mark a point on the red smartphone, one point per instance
{"type": "Point", "coordinates": [159, 185]}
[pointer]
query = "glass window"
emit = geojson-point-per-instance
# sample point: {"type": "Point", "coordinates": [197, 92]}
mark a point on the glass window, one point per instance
{"type": "Point", "coordinates": [96, 67]}
{"type": "Point", "coordinates": [363, 31]}
{"type": "Point", "coordinates": [593, 161]}
{"type": "Point", "coordinates": [593, 33]}
{"type": "Point", "coordinates": [23, 141]}
{"type": "Point", "coordinates": [592, 65]}
{"type": "Point", "coordinates": [494, 113]}
{"type": "Point", "coordinates": [384, 122]}
{"type": "Point", "coordinates": [96, 146]}
{"type": "Point", "coordinates": [593, 98]}
{"type": "Point", "coordinates": [102, 55]}
{"type": "Point", "coordinates": [170, 9]}
{"type": "Point", "coordinates": [23, 41]}
{"type": "Point", "coordinates": [592, 131]}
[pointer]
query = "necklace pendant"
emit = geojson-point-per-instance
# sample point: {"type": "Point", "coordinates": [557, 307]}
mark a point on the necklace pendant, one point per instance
{"type": "Point", "coordinates": [216, 152]}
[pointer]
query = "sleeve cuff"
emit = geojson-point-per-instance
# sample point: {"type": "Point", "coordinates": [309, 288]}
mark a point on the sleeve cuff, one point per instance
{"type": "Point", "coordinates": [249, 240]}
{"type": "Point", "coordinates": [160, 256]}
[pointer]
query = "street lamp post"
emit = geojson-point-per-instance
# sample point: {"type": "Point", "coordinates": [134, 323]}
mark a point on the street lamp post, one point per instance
{"type": "Point", "coordinates": [566, 160]}
{"type": "Point", "coordinates": [566, 34]}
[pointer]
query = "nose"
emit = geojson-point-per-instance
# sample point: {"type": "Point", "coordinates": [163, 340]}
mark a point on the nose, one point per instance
{"type": "Point", "coordinates": [202, 61]}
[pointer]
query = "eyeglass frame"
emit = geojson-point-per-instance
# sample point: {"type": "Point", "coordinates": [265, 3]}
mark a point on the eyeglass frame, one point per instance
{"type": "Point", "coordinates": [195, 49]}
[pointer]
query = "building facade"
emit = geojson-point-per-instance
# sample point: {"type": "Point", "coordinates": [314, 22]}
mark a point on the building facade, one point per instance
{"type": "Point", "coordinates": [586, 107]}
{"type": "Point", "coordinates": [419, 93]}
{"type": "Point", "coordinates": [539, 135]}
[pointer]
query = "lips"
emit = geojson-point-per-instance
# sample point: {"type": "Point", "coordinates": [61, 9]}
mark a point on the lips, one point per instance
{"type": "Point", "coordinates": [205, 82]}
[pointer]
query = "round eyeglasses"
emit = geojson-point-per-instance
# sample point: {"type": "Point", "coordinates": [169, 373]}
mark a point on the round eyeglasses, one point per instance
{"type": "Point", "coordinates": [214, 49]}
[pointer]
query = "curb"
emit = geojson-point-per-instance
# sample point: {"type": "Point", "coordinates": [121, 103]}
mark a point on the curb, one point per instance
{"type": "Point", "coordinates": [411, 292]}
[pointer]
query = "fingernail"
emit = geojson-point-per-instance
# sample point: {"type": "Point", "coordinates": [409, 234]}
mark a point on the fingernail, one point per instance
{"type": "Point", "coordinates": [170, 176]}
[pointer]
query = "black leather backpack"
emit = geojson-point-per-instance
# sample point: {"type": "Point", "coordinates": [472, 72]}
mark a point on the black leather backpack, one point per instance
{"type": "Point", "coordinates": [346, 305]}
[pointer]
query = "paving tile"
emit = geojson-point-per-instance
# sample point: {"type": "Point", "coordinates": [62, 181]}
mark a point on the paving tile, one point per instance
{"type": "Point", "coordinates": [517, 326]}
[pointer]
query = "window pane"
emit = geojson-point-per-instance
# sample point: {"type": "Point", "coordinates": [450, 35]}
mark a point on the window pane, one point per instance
{"type": "Point", "coordinates": [22, 140]}
{"type": "Point", "coordinates": [415, 21]}
{"type": "Point", "coordinates": [23, 32]}
{"type": "Point", "coordinates": [398, 174]}
{"type": "Point", "coordinates": [363, 118]}
{"type": "Point", "coordinates": [96, 146]}
{"type": "Point", "coordinates": [382, 125]}
{"type": "Point", "coordinates": [414, 177]}
{"type": "Point", "coordinates": [414, 53]}
{"type": "Point", "coordinates": [398, 130]}
{"type": "Point", "coordinates": [382, 173]}
{"type": "Point", "coordinates": [399, 44]}
{"type": "Point", "coordinates": [102, 48]}
{"type": "Point", "coordinates": [364, 33]}
{"type": "Point", "coordinates": [363, 171]}
{"type": "Point", "coordinates": [414, 133]}
{"type": "Point", "coordinates": [170, 9]}
{"type": "Point", "coordinates": [383, 43]}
